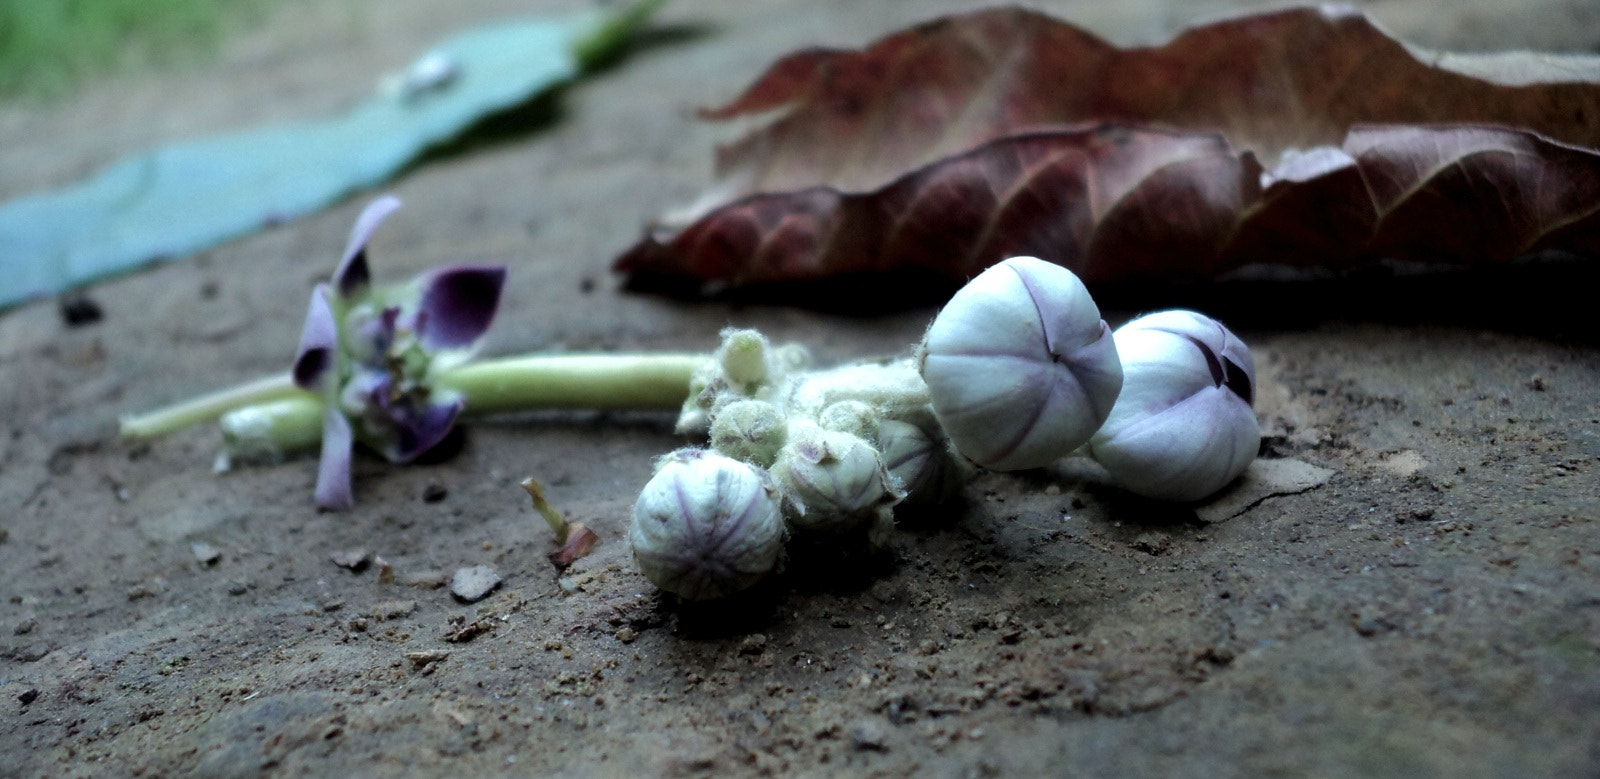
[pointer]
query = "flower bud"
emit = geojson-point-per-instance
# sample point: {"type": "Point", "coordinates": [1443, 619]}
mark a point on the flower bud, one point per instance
{"type": "Point", "coordinates": [749, 430]}
{"type": "Point", "coordinates": [706, 525]}
{"type": "Point", "coordinates": [745, 365]}
{"type": "Point", "coordinates": [1020, 367]}
{"type": "Point", "coordinates": [854, 417]}
{"type": "Point", "coordinates": [831, 480]}
{"type": "Point", "coordinates": [1183, 426]}
{"type": "Point", "coordinates": [919, 462]}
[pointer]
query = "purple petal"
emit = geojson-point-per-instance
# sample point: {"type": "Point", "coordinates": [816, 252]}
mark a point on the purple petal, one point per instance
{"type": "Point", "coordinates": [333, 472]}
{"type": "Point", "coordinates": [458, 304]}
{"type": "Point", "coordinates": [423, 430]}
{"type": "Point", "coordinates": [318, 339]}
{"type": "Point", "coordinates": [352, 275]}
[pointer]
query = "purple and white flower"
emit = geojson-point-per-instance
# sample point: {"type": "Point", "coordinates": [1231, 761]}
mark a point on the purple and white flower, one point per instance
{"type": "Point", "coordinates": [371, 352]}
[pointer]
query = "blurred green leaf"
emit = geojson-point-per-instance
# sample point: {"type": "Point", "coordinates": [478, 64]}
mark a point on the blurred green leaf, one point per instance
{"type": "Point", "coordinates": [180, 199]}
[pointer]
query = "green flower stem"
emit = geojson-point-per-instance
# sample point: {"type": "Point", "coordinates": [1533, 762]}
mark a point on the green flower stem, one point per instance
{"type": "Point", "coordinates": [271, 417]}
{"type": "Point", "coordinates": [208, 407]}
{"type": "Point", "coordinates": [267, 432]}
{"type": "Point", "coordinates": [592, 381]}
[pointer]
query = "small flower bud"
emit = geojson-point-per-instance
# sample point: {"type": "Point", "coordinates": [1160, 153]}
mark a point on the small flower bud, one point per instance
{"type": "Point", "coordinates": [706, 526]}
{"type": "Point", "coordinates": [749, 430]}
{"type": "Point", "coordinates": [831, 480]}
{"type": "Point", "coordinates": [1020, 367]}
{"type": "Point", "coordinates": [744, 366]}
{"type": "Point", "coordinates": [1183, 426]}
{"type": "Point", "coordinates": [919, 462]}
{"type": "Point", "coordinates": [743, 357]}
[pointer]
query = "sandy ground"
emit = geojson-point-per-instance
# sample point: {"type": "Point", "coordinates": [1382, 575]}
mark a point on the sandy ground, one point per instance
{"type": "Point", "coordinates": [1433, 609]}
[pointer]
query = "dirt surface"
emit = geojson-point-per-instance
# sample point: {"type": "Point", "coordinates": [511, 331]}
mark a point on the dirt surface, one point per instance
{"type": "Point", "coordinates": [1432, 609]}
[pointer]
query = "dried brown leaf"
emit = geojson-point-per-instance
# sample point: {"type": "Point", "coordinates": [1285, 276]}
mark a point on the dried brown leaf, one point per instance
{"type": "Point", "coordinates": [959, 142]}
{"type": "Point", "coordinates": [1117, 203]}
{"type": "Point", "coordinates": [1296, 78]}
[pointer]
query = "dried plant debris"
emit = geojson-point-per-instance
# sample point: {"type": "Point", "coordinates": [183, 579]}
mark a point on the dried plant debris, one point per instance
{"type": "Point", "coordinates": [1303, 137]}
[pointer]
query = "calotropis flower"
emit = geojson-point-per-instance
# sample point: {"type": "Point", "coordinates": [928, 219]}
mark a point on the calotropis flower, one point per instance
{"type": "Point", "coordinates": [1184, 426]}
{"type": "Point", "coordinates": [372, 353]}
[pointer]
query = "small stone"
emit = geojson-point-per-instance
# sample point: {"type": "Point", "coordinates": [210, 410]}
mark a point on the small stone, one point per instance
{"type": "Point", "coordinates": [356, 560]}
{"type": "Point", "coordinates": [753, 644]}
{"type": "Point", "coordinates": [78, 309]}
{"type": "Point", "coordinates": [868, 734]}
{"type": "Point", "coordinates": [472, 584]}
{"type": "Point", "coordinates": [26, 626]}
{"type": "Point", "coordinates": [205, 554]}
{"type": "Point", "coordinates": [392, 609]}
{"type": "Point", "coordinates": [426, 658]}
{"type": "Point", "coordinates": [626, 635]}
{"type": "Point", "coordinates": [238, 588]}
{"type": "Point", "coordinates": [426, 580]}
{"type": "Point", "coordinates": [433, 493]}
{"type": "Point", "coordinates": [29, 695]}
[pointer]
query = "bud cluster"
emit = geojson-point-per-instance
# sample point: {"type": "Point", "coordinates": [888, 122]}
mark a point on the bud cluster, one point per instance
{"type": "Point", "coordinates": [1017, 371]}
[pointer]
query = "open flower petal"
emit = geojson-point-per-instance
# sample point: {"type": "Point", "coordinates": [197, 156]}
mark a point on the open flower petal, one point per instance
{"type": "Point", "coordinates": [314, 361]}
{"type": "Point", "coordinates": [416, 430]}
{"type": "Point", "coordinates": [352, 276]}
{"type": "Point", "coordinates": [458, 304]}
{"type": "Point", "coordinates": [333, 472]}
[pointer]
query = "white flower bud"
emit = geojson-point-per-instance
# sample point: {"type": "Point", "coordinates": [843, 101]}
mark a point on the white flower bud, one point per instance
{"type": "Point", "coordinates": [831, 480]}
{"type": "Point", "coordinates": [745, 365]}
{"type": "Point", "coordinates": [1020, 367]}
{"type": "Point", "coordinates": [706, 525]}
{"type": "Point", "coordinates": [743, 357]}
{"type": "Point", "coordinates": [1183, 426]}
{"type": "Point", "coordinates": [919, 462]}
{"type": "Point", "coordinates": [749, 430]}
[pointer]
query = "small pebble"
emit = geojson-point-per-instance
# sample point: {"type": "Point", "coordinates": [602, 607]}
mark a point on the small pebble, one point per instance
{"type": "Point", "coordinates": [78, 309]}
{"type": "Point", "coordinates": [426, 658]}
{"type": "Point", "coordinates": [868, 734]}
{"type": "Point", "coordinates": [238, 588]}
{"type": "Point", "coordinates": [392, 609]}
{"type": "Point", "coordinates": [354, 559]}
{"type": "Point", "coordinates": [626, 635]}
{"type": "Point", "coordinates": [426, 580]}
{"type": "Point", "coordinates": [205, 554]}
{"type": "Point", "coordinates": [433, 493]}
{"type": "Point", "coordinates": [26, 626]}
{"type": "Point", "coordinates": [472, 584]}
{"type": "Point", "coordinates": [29, 696]}
{"type": "Point", "coordinates": [753, 644]}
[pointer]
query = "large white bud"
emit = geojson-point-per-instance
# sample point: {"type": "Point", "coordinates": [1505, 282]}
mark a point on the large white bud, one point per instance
{"type": "Point", "coordinates": [706, 525]}
{"type": "Point", "coordinates": [1020, 367]}
{"type": "Point", "coordinates": [1183, 426]}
